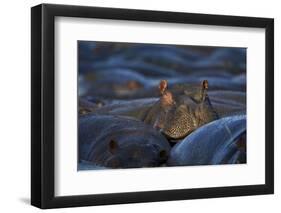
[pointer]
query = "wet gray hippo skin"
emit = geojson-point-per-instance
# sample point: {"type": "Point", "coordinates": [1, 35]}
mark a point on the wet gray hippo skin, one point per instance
{"type": "Point", "coordinates": [134, 108]}
{"type": "Point", "coordinates": [220, 142]}
{"type": "Point", "coordinates": [227, 103]}
{"type": "Point", "coordinates": [120, 142]}
{"type": "Point", "coordinates": [86, 106]}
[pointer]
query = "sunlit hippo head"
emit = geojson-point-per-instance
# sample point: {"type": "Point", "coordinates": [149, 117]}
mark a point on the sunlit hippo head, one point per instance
{"type": "Point", "coordinates": [184, 110]}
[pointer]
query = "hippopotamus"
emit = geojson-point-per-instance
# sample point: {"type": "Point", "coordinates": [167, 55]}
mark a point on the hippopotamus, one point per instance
{"type": "Point", "coordinates": [179, 113]}
{"type": "Point", "coordinates": [220, 142]}
{"type": "Point", "coordinates": [120, 142]}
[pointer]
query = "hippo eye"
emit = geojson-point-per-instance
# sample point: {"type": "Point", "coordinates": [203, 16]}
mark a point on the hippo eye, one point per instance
{"type": "Point", "coordinates": [162, 154]}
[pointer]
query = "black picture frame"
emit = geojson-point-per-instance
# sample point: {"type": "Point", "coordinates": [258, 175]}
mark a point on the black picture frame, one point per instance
{"type": "Point", "coordinates": [43, 102]}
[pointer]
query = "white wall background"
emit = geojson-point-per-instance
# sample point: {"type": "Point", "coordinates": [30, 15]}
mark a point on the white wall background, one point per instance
{"type": "Point", "coordinates": [15, 105]}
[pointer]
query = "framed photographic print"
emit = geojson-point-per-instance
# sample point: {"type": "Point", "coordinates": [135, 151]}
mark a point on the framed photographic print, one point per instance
{"type": "Point", "coordinates": [140, 106]}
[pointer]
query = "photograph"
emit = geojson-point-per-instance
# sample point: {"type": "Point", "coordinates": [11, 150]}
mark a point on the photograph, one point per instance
{"type": "Point", "coordinates": [143, 105]}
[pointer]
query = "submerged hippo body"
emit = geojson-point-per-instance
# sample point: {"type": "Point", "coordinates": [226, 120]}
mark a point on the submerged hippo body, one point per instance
{"type": "Point", "coordinates": [220, 142]}
{"type": "Point", "coordinates": [120, 142]}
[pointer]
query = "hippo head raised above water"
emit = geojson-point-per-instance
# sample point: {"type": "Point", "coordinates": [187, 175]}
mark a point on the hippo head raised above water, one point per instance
{"type": "Point", "coordinates": [182, 110]}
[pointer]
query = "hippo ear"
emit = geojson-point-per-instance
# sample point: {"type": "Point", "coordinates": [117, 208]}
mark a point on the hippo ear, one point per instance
{"type": "Point", "coordinates": [204, 87]}
{"type": "Point", "coordinates": [113, 146]}
{"type": "Point", "coordinates": [205, 84]}
{"type": "Point", "coordinates": [163, 86]}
